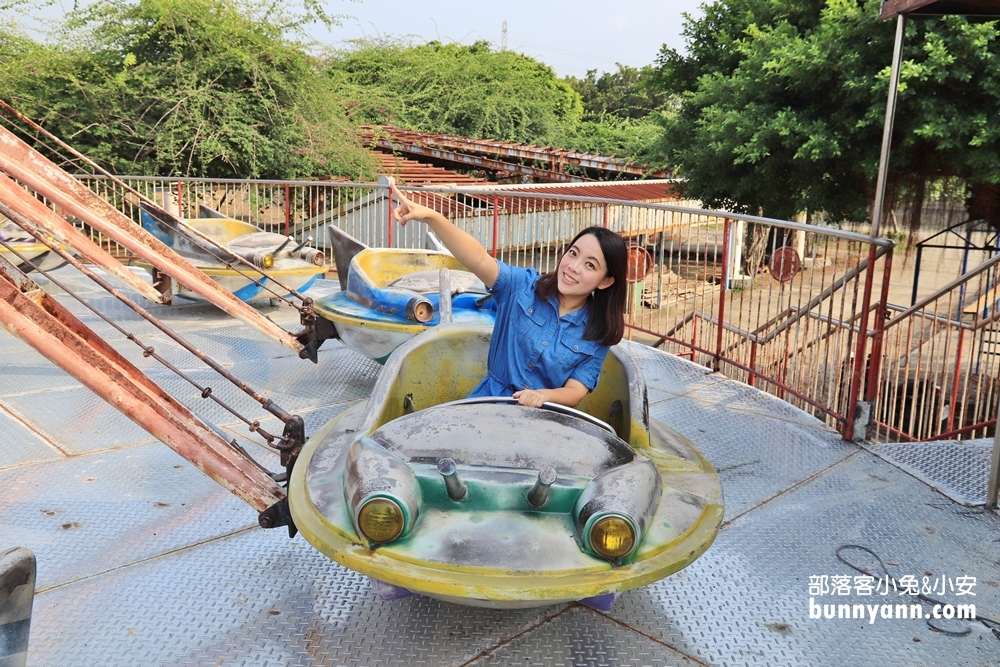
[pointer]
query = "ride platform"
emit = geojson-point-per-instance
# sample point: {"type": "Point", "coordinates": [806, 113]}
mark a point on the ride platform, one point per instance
{"type": "Point", "coordinates": [142, 559]}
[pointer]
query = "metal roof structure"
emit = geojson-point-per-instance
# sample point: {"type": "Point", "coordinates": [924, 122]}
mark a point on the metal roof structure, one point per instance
{"type": "Point", "coordinates": [501, 156]}
{"type": "Point", "coordinates": [659, 190]}
{"type": "Point", "coordinates": [412, 172]}
{"type": "Point", "coordinates": [917, 8]}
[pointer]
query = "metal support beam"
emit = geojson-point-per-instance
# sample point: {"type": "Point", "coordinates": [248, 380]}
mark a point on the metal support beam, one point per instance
{"type": "Point", "coordinates": [890, 117]}
{"type": "Point", "coordinates": [24, 164]}
{"type": "Point", "coordinates": [18, 205]}
{"type": "Point", "coordinates": [34, 316]}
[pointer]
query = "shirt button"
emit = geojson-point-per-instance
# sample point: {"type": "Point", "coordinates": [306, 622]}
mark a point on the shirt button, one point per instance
{"type": "Point", "coordinates": [576, 347]}
{"type": "Point", "coordinates": [544, 343]}
{"type": "Point", "coordinates": [531, 364]}
{"type": "Point", "coordinates": [529, 310]}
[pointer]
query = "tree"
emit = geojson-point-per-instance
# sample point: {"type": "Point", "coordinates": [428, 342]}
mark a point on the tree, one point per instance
{"type": "Point", "coordinates": [450, 88]}
{"type": "Point", "coordinates": [197, 87]}
{"type": "Point", "coordinates": [622, 94]}
{"type": "Point", "coordinates": [782, 104]}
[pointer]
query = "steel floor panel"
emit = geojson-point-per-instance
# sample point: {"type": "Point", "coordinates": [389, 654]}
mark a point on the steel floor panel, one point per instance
{"type": "Point", "coordinates": [757, 456]}
{"type": "Point", "coordinates": [76, 419]}
{"type": "Point", "coordinates": [255, 598]}
{"type": "Point", "coordinates": [959, 470]}
{"type": "Point", "coordinates": [26, 371]}
{"type": "Point", "coordinates": [579, 637]}
{"type": "Point", "coordinates": [89, 514]}
{"type": "Point", "coordinates": [668, 376]}
{"type": "Point", "coordinates": [746, 601]}
{"type": "Point", "coordinates": [20, 444]}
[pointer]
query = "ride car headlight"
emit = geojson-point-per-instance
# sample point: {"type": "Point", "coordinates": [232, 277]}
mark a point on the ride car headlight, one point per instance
{"type": "Point", "coordinates": [614, 509]}
{"type": "Point", "coordinates": [382, 491]}
{"type": "Point", "coordinates": [612, 536]}
{"type": "Point", "coordinates": [381, 520]}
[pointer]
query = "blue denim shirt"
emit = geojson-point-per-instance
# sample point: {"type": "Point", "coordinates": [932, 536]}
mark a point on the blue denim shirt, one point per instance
{"type": "Point", "coordinates": [532, 347]}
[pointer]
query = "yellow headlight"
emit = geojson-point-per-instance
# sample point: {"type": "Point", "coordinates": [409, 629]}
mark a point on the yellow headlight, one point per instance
{"type": "Point", "coordinates": [381, 520]}
{"type": "Point", "coordinates": [612, 537]}
{"type": "Point", "coordinates": [267, 261]}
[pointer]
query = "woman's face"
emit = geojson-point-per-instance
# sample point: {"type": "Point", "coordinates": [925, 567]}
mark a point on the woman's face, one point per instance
{"type": "Point", "coordinates": [582, 269]}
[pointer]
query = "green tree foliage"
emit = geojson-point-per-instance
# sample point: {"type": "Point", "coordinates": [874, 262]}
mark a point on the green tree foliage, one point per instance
{"type": "Point", "coordinates": [627, 93]}
{"type": "Point", "coordinates": [197, 87]}
{"type": "Point", "coordinates": [469, 90]}
{"type": "Point", "coordinates": [782, 105]}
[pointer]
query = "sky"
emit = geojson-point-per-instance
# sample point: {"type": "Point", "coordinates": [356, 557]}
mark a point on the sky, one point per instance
{"type": "Point", "coordinates": [571, 37]}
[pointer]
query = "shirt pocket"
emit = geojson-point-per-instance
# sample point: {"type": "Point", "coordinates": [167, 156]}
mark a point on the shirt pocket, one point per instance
{"type": "Point", "coordinates": [529, 319]}
{"type": "Point", "coordinates": [571, 353]}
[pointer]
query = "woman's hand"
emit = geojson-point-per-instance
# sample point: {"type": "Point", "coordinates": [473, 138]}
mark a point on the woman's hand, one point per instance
{"type": "Point", "coordinates": [407, 210]}
{"type": "Point", "coordinates": [532, 398]}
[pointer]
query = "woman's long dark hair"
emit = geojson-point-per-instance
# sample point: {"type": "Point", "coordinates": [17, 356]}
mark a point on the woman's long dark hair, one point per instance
{"type": "Point", "coordinates": [606, 310]}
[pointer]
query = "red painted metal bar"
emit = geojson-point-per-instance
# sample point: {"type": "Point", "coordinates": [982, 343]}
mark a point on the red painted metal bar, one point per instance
{"type": "Point", "coordinates": [875, 368]}
{"type": "Point", "coordinates": [722, 289]}
{"type": "Point", "coordinates": [605, 215]}
{"type": "Point", "coordinates": [26, 165]}
{"type": "Point", "coordinates": [859, 356]}
{"type": "Point", "coordinates": [948, 435]}
{"type": "Point", "coordinates": [41, 321]}
{"type": "Point", "coordinates": [496, 226]}
{"type": "Point", "coordinates": [753, 363]}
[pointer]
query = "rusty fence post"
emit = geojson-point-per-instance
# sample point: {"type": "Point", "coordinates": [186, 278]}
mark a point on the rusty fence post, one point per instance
{"type": "Point", "coordinates": [859, 357]}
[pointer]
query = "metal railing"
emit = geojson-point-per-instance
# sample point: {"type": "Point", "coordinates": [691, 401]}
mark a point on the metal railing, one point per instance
{"type": "Point", "coordinates": [940, 375]}
{"type": "Point", "coordinates": [764, 301]}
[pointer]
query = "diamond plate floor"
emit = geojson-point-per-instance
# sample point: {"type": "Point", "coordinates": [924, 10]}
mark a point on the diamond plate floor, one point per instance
{"type": "Point", "coordinates": [143, 560]}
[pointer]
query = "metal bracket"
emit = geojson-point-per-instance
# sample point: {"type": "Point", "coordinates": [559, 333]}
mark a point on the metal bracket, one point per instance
{"type": "Point", "coordinates": [316, 330]}
{"type": "Point", "coordinates": [292, 440]}
{"type": "Point", "coordinates": [278, 515]}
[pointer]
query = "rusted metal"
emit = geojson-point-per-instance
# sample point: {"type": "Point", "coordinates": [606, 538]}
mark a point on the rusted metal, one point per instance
{"type": "Point", "coordinates": [37, 318]}
{"type": "Point", "coordinates": [412, 172]}
{"type": "Point", "coordinates": [27, 211]}
{"type": "Point", "coordinates": [29, 167]}
{"type": "Point", "coordinates": [473, 161]}
{"type": "Point", "coordinates": [860, 356]}
{"type": "Point", "coordinates": [881, 313]}
{"type": "Point", "coordinates": [146, 315]}
{"type": "Point", "coordinates": [555, 157]}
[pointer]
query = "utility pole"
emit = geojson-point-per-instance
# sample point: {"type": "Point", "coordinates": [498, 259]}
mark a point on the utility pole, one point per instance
{"type": "Point", "coordinates": [503, 40]}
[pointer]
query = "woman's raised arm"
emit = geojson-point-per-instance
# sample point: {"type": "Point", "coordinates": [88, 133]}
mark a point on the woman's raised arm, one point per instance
{"type": "Point", "coordinates": [464, 247]}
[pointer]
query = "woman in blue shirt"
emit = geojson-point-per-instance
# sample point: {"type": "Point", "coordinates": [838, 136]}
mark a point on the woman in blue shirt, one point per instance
{"type": "Point", "coordinates": [552, 331]}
